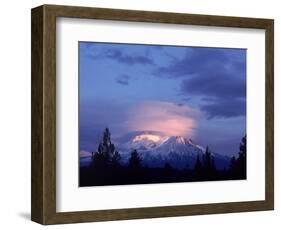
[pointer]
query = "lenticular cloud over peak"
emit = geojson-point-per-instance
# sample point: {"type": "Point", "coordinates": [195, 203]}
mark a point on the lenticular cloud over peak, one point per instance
{"type": "Point", "coordinates": [165, 117]}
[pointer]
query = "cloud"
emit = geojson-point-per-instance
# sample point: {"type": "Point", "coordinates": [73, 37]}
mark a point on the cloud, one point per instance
{"type": "Point", "coordinates": [199, 60]}
{"type": "Point", "coordinates": [215, 85]}
{"type": "Point", "coordinates": [154, 116]}
{"type": "Point", "coordinates": [213, 77]}
{"type": "Point", "coordinates": [164, 117]}
{"type": "Point", "coordinates": [121, 57]}
{"type": "Point", "coordinates": [225, 108]}
{"type": "Point", "coordinates": [83, 153]}
{"type": "Point", "coordinates": [123, 79]}
{"type": "Point", "coordinates": [221, 95]}
{"type": "Point", "coordinates": [221, 135]}
{"type": "Point", "coordinates": [121, 53]}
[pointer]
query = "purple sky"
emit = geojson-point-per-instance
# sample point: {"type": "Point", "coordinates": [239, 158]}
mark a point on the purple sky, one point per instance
{"type": "Point", "coordinates": [195, 92]}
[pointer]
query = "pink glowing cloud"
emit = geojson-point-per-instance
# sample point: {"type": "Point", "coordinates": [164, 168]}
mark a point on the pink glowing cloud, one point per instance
{"type": "Point", "coordinates": [165, 117]}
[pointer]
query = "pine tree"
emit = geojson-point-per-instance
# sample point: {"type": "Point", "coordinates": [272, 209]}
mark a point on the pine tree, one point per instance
{"type": "Point", "coordinates": [116, 159]}
{"type": "Point", "coordinates": [106, 137]}
{"type": "Point", "coordinates": [238, 165]}
{"type": "Point", "coordinates": [243, 147]}
{"type": "Point", "coordinates": [167, 166]}
{"type": "Point", "coordinates": [134, 161]}
{"type": "Point", "coordinates": [207, 161]}
{"type": "Point", "coordinates": [241, 161]}
{"type": "Point", "coordinates": [167, 170]}
{"type": "Point", "coordinates": [198, 167]}
{"type": "Point", "coordinates": [232, 164]}
{"type": "Point", "coordinates": [197, 163]}
{"type": "Point", "coordinates": [107, 155]}
{"type": "Point", "coordinates": [99, 161]}
{"type": "Point", "coordinates": [213, 164]}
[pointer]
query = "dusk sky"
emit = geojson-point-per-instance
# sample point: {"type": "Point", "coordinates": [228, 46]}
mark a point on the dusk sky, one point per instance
{"type": "Point", "coordinates": [194, 92]}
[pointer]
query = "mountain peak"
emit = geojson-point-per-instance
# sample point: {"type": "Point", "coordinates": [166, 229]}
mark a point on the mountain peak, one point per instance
{"type": "Point", "coordinates": [144, 142]}
{"type": "Point", "coordinates": [181, 140]}
{"type": "Point", "coordinates": [177, 140]}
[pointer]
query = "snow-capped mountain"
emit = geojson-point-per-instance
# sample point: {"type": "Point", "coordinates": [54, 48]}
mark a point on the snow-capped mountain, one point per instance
{"type": "Point", "coordinates": [178, 151]}
{"type": "Point", "coordinates": [179, 145]}
{"type": "Point", "coordinates": [144, 142]}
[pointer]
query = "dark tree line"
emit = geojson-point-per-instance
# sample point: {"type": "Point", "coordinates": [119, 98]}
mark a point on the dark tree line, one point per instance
{"type": "Point", "coordinates": [205, 167]}
{"type": "Point", "coordinates": [238, 166]}
{"type": "Point", "coordinates": [106, 168]}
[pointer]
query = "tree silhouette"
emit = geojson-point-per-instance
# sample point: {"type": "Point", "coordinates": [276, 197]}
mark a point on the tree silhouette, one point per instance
{"type": "Point", "coordinates": [134, 161]}
{"type": "Point", "coordinates": [238, 166]}
{"type": "Point", "coordinates": [107, 167]}
{"type": "Point", "coordinates": [198, 167]}
{"type": "Point", "coordinates": [167, 171]}
{"type": "Point", "coordinates": [243, 147]}
{"type": "Point", "coordinates": [167, 166]}
{"type": "Point", "coordinates": [213, 164]}
{"type": "Point", "coordinates": [106, 137]}
{"type": "Point", "coordinates": [241, 161]}
{"type": "Point", "coordinates": [232, 164]}
{"type": "Point", "coordinates": [207, 161]}
{"type": "Point", "coordinates": [99, 162]}
{"type": "Point", "coordinates": [208, 165]}
{"type": "Point", "coordinates": [115, 161]}
{"type": "Point", "coordinates": [106, 155]}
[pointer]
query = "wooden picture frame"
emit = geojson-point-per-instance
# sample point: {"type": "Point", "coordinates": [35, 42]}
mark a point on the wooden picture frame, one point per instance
{"type": "Point", "coordinates": [43, 208]}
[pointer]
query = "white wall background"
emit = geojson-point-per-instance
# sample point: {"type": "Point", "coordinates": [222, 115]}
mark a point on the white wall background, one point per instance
{"type": "Point", "coordinates": [15, 113]}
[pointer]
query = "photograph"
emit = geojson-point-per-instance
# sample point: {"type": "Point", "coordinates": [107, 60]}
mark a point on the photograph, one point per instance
{"type": "Point", "coordinates": [173, 107]}
{"type": "Point", "coordinates": [161, 114]}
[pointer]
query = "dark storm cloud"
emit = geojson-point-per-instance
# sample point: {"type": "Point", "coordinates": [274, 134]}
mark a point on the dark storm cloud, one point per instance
{"type": "Point", "coordinates": [205, 60]}
{"type": "Point", "coordinates": [215, 85]}
{"type": "Point", "coordinates": [225, 108]}
{"type": "Point", "coordinates": [123, 79]}
{"type": "Point", "coordinates": [223, 96]}
{"type": "Point", "coordinates": [216, 76]}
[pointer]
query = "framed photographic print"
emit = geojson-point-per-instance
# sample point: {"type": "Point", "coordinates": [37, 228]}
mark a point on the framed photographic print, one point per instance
{"type": "Point", "coordinates": [140, 114]}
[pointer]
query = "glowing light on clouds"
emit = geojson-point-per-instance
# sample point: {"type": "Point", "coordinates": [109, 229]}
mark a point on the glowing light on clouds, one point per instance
{"type": "Point", "coordinates": [168, 118]}
{"type": "Point", "coordinates": [147, 137]}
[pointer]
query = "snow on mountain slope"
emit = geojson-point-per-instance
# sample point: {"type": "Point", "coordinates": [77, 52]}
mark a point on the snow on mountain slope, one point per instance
{"type": "Point", "coordinates": [179, 152]}
{"type": "Point", "coordinates": [179, 145]}
{"type": "Point", "coordinates": [144, 142]}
